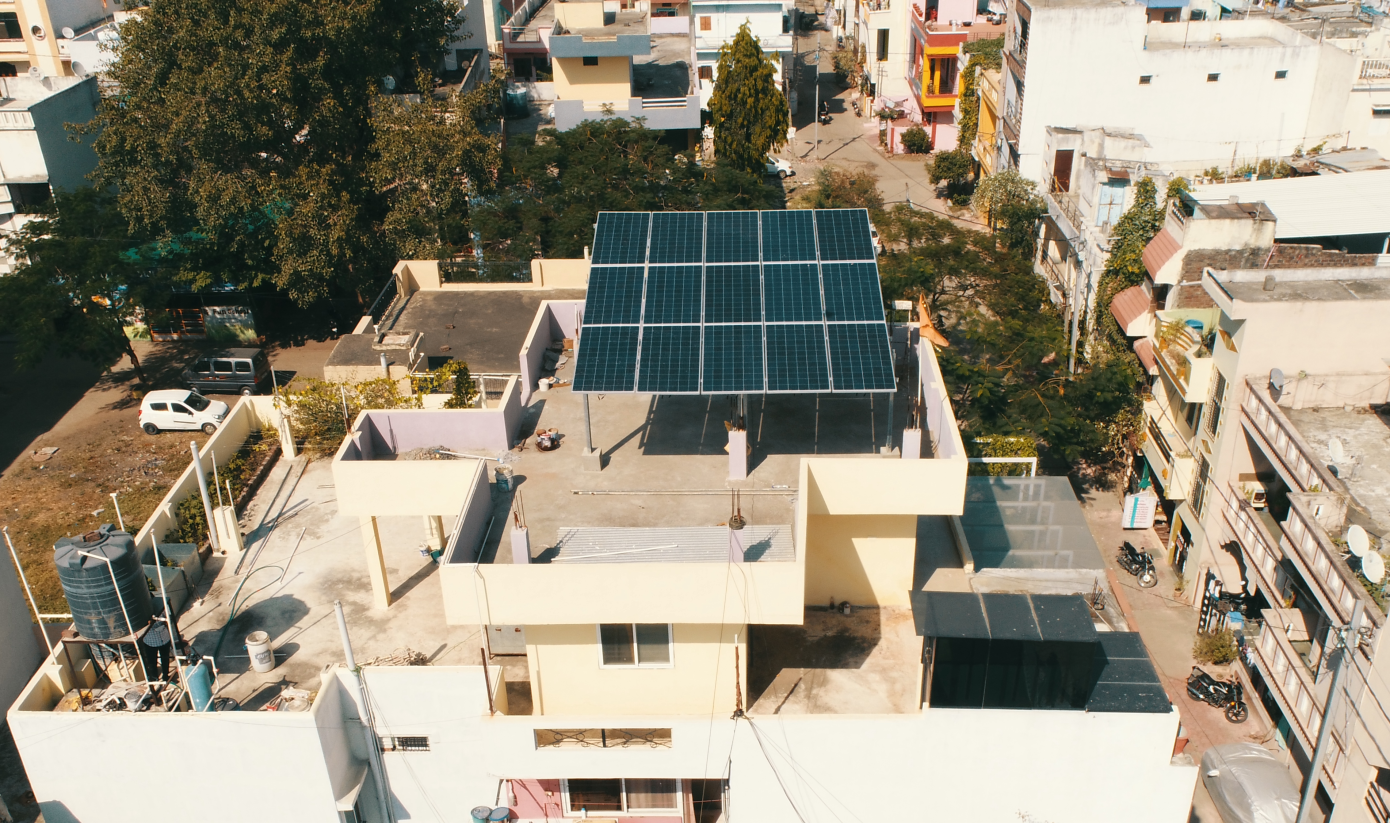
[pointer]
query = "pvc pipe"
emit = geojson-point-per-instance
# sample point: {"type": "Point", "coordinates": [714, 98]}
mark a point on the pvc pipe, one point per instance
{"type": "Point", "coordinates": [169, 616]}
{"type": "Point", "coordinates": [111, 571]}
{"type": "Point", "coordinates": [117, 504]}
{"type": "Point", "coordinates": [38, 618]}
{"type": "Point", "coordinates": [207, 501]}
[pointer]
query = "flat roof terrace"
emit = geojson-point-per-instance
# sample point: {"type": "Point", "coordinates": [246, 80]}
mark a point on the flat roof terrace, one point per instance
{"type": "Point", "coordinates": [1364, 432]}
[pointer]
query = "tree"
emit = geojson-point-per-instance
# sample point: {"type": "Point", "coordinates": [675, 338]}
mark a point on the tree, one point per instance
{"type": "Point", "coordinates": [242, 133]}
{"type": "Point", "coordinates": [1125, 266]}
{"type": "Point", "coordinates": [841, 189]}
{"type": "Point", "coordinates": [951, 268]}
{"type": "Point", "coordinates": [748, 109]}
{"type": "Point", "coordinates": [951, 167]}
{"type": "Point", "coordinates": [1017, 227]}
{"type": "Point", "coordinates": [984, 54]}
{"type": "Point", "coordinates": [81, 279]}
{"type": "Point", "coordinates": [1001, 190]}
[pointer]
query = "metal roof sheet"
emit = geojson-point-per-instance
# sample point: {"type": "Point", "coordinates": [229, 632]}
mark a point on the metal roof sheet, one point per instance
{"type": "Point", "coordinates": [1318, 206]}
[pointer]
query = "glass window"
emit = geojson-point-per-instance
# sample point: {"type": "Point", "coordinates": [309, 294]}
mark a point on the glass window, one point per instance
{"type": "Point", "coordinates": [202, 367]}
{"type": "Point", "coordinates": [197, 401]}
{"type": "Point", "coordinates": [9, 26]}
{"type": "Point", "coordinates": [653, 644]}
{"type": "Point", "coordinates": [243, 366]}
{"type": "Point", "coordinates": [1281, 74]}
{"type": "Point", "coordinates": [596, 795]}
{"type": "Point", "coordinates": [1145, 79]}
{"type": "Point", "coordinates": [179, 408]}
{"type": "Point", "coordinates": [649, 795]}
{"type": "Point", "coordinates": [591, 61]}
{"type": "Point", "coordinates": [222, 366]}
{"type": "Point", "coordinates": [639, 644]}
{"type": "Point", "coordinates": [1213, 77]}
{"type": "Point", "coordinates": [159, 407]}
{"type": "Point", "coordinates": [617, 644]}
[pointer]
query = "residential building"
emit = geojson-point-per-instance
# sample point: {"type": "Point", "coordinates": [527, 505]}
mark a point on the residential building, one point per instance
{"type": "Point", "coordinates": [643, 613]}
{"type": "Point", "coordinates": [1267, 428]}
{"type": "Point", "coordinates": [987, 86]}
{"type": "Point", "coordinates": [717, 21]}
{"type": "Point", "coordinates": [37, 155]}
{"type": "Point", "coordinates": [1223, 91]}
{"type": "Point", "coordinates": [52, 36]}
{"type": "Point", "coordinates": [605, 61]}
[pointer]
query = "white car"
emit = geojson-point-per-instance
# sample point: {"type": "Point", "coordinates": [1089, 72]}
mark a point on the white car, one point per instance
{"type": "Point", "coordinates": [873, 236]}
{"type": "Point", "coordinates": [779, 167]}
{"type": "Point", "coordinates": [180, 409]}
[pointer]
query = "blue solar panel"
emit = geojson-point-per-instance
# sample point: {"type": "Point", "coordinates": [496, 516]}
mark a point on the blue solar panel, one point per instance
{"type": "Point", "coordinates": [788, 236]}
{"type": "Point", "coordinates": [615, 295]}
{"type": "Point", "coordinates": [733, 294]}
{"type": "Point", "coordinates": [670, 361]}
{"type": "Point", "coordinates": [731, 237]}
{"type": "Point", "coordinates": [792, 292]}
{"type": "Point", "coordinates": [796, 359]}
{"type": "Point", "coordinates": [852, 292]}
{"type": "Point", "coordinates": [678, 237]}
{"type": "Point", "coordinates": [605, 359]}
{"type": "Point", "coordinates": [733, 359]}
{"type": "Point", "coordinates": [673, 294]}
{"type": "Point", "coordinates": [859, 358]}
{"type": "Point", "coordinates": [620, 238]}
{"type": "Point", "coordinates": [843, 234]}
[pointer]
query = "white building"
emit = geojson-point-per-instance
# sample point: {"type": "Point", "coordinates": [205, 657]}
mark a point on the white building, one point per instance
{"type": "Point", "coordinates": [1223, 92]}
{"type": "Point", "coordinates": [717, 21]}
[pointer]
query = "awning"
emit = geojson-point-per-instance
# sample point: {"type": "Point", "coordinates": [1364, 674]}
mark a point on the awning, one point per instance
{"type": "Point", "coordinates": [1159, 251]}
{"type": "Point", "coordinates": [1131, 309]}
{"type": "Point", "coordinates": [1144, 347]}
{"type": "Point", "coordinates": [1117, 172]}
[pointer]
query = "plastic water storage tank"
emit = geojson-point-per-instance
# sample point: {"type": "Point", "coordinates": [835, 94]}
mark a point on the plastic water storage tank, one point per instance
{"type": "Point", "coordinates": [92, 596]}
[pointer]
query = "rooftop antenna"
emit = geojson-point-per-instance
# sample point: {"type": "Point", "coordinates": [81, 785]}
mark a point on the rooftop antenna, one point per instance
{"type": "Point", "coordinates": [68, 32]}
{"type": "Point", "coordinates": [1276, 381]}
{"type": "Point", "coordinates": [736, 520]}
{"type": "Point", "coordinates": [1373, 567]}
{"type": "Point", "coordinates": [1336, 449]}
{"type": "Point", "coordinates": [1358, 541]}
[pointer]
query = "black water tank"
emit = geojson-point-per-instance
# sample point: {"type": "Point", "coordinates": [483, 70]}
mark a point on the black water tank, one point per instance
{"type": "Point", "coordinates": [92, 595]}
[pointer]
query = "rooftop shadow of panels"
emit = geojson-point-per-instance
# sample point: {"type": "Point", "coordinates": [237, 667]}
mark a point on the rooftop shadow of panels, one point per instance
{"type": "Point", "coordinates": [776, 424]}
{"type": "Point", "coordinates": [1027, 523]}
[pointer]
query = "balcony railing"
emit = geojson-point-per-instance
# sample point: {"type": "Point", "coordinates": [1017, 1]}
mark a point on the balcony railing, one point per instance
{"type": "Point", "coordinates": [1066, 204]}
{"type": "Point", "coordinates": [1262, 414]}
{"type": "Point", "coordinates": [1169, 455]}
{"type": "Point", "coordinates": [1012, 114]}
{"type": "Point", "coordinates": [1261, 548]}
{"type": "Point", "coordinates": [1287, 679]}
{"type": "Point", "coordinates": [1375, 69]}
{"type": "Point", "coordinates": [1321, 563]}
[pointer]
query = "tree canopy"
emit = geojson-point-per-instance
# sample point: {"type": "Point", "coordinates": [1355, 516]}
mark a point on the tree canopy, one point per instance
{"type": "Point", "coordinates": [835, 188]}
{"type": "Point", "coordinates": [243, 133]}
{"type": "Point", "coordinates": [1001, 190]}
{"type": "Point", "coordinates": [748, 110]}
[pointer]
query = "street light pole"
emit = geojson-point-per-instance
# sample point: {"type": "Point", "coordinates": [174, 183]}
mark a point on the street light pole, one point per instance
{"type": "Point", "coordinates": [818, 47]}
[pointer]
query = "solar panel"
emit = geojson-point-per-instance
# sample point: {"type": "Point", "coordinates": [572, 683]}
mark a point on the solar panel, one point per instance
{"type": "Point", "coordinates": [788, 236]}
{"type": "Point", "coordinates": [859, 360]}
{"type": "Point", "coordinates": [732, 237]}
{"type": "Point", "coordinates": [673, 294]}
{"type": "Point", "coordinates": [678, 237]}
{"type": "Point", "coordinates": [792, 293]}
{"type": "Point", "coordinates": [796, 360]}
{"type": "Point", "coordinates": [732, 294]}
{"type": "Point", "coordinates": [843, 234]}
{"type": "Point", "coordinates": [852, 292]}
{"type": "Point", "coordinates": [734, 302]}
{"type": "Point", "coordinates": [615, 295]}
{"type": "Point", "coordinates": [609, 353]}
{"type": "Point", "coordinates": [620, 237]}
{"type": "Point", "coordinates": [733, 359]}
{"type": "Point", "coordinates": [670, 361]}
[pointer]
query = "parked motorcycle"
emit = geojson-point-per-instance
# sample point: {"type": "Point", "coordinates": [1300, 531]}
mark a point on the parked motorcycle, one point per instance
{"type": "Point", "coordinates": [1231, 602]}
{"type": "Point", "coordinates": [1221, 694]}
{"type": "Point", "coordinates": [1138, 563]}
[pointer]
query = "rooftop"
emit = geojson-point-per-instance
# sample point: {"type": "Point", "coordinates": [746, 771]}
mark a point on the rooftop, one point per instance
{"type": "Point", "coordinates": [1364, 432]}
{"type": "Point", "coordinates": [1324, 205]}
{"type": "Point", "coordinates": [1359, 283]}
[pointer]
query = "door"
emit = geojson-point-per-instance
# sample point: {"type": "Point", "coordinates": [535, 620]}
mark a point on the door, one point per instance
{"type": "Point", "coordinates": [202, 374]}
{"type": "Point", "coordinates": [1061, 170]}
{"type": "Point", "coordinates": [221, 375]}
{"type": "Point", "coordinates": [181, 417]}
{"type": "Point", "coordinates": [1111, 203]}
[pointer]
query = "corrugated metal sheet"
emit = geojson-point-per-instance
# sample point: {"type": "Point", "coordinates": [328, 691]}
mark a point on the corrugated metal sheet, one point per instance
{"type": "Point", "coordinates": [1318, 206]}
{"type": "Point", "coordinates": [1128, 306]}
{"type": "Point", "coordinates": [704, 544]}
{"type": "Point", "coordinates": [1159, 251]}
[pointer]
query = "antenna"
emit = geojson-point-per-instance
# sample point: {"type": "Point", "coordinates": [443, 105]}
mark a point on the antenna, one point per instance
{"type": "Point", "coordinates": [1373, 567]}
{"type": "Point", "coordinates": [1276, 380]}
{"type": "Point", "coordinates": [1358, 541]}
{"type": "Point", "coordinates": [389, 82]}
{"type": "Point", "coordinates": [68, 32]}
{"type": "Point", "coordinates": [35, 72]}
{"type": "Point", "coordinates": [1338, 451]}
{"type": "Point", "coordinates": [736, 520]}
{"type": "Point", "coordinates": [79, 69]}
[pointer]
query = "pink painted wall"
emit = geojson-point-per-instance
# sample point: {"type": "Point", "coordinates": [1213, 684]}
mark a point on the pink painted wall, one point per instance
{"type": "Point", "coordinates": [555, 320]}
{"type": "Point", "coordinates": [532, 803]}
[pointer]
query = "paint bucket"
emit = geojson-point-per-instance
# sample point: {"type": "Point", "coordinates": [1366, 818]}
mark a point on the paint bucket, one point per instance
{"type": "Point", "coordinates": [503, 476]}
{"type": "Point", "coordinates": [258, 647]}
{"type": "Point", "coordinates": [481, 814]}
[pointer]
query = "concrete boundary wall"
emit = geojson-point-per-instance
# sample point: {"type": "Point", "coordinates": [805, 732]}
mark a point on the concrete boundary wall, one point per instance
{"type": "Point", "coordinates": [555, 320]}
{"type": "Point", "coordinates": [944, 434]}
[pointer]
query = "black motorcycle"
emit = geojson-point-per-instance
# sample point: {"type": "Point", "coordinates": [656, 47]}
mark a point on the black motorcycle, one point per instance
{"type": "Point", "coordinates": [824, 115]}
{"type": "Point", "coordinates": [1138, 563]}
{"type": "Point", "coordinates": [1221, 694]}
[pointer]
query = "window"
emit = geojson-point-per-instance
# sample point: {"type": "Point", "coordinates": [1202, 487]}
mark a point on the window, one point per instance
{"type": "Point", "coordinates": [1198, 14]}
{"type": "Point", "coordinates": [635, 644]}
{"type": "Point", "coordinates": [9, 26]}
{"type": "Point", "coordinates": [1192, 413]}
{"type": "Point", "coordinates": [591, 61]}
{"type": "Point", "coordinates": [706, 23]}
{"type": "Point", "coordinates": [1213, 77]}
{"type": "Point", "coordinates": [1171, 15]}
{"type": "Point", "coordinates": [222, 366]}
{"type": "Point", "coordinates": [707, 73]}
{"type": "Point", "coordinates": [242, 366]}
{"type": "Point", "coordinates": [203, 367]}
{"type": "Point", "coordinates": [1218, 399]}
{"type": "Point", "coordinates": [603, 738]}
{"type": "Point", "coordinates": [198, 402]}
{"type": "Point", "coordinates": [159, 407]}
{"type": "Point", "coordinates": [1281, 74]}
{"type": "Point", "coordinates": [1145, 79]}
{"type": "Point", "coordinates": [618, 794]}
{"type": "Point", "coordinates": [882, 53]}
{"type": "Point", "coordinates": [1111, 203]}
{"type": "Point", "coordinates": [1199, 489]}
{"type": "Point", "coordinates": [416, 743]}
{"type": "Point", "coordinates": [179, 408]}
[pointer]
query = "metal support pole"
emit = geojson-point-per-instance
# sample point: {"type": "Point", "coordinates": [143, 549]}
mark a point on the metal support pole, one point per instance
{"type": "Point", "coordinates": [35, 606]}
{"type": "Point", "coordinates": [373, 745]}
{"type": "Point", "coordinates": [817, 96]}
{"type": "Point", "coordinates": [117, 504]}
{"type": "Point", "coordinates": [207, 501]}
{"type": "Point", "coordinates": [1310, 782]}
{"type": "Point", "coordinates": [1075, 312]}
{"type": "Point", "coordinates": [888, 439]}
{"type": "Point", "coordinates": [588, 428]}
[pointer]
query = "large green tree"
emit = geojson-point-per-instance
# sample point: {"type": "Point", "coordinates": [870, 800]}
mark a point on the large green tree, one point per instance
{"type": "Point", "coordinates": [80, 278]}
{"type": "Point", "coordinates": [748, 110]}
{"type": "Point", "coordinates": [243, 134]}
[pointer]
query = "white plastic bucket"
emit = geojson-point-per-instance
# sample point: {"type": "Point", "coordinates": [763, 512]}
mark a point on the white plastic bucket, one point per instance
{"type": "Point", "coordinates": [258, 647]}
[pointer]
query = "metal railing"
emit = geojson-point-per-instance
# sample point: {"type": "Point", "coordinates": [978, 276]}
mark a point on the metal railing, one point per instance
{"type": "Point", "coordinates": [383, 301]}
{"type": "Point", "coordinates": [1012, 114]}
{"type": "Point", "coordinates": [1378, 69]}
{"type": "Point", "coordinates": [1320, 563]}
{"type": "Point", "coordinates": [664, 102]}
{"type": "Point", "coordinates": [1261, 548]}
{"type": "Point", "coordinates": [1264, 416]}
{"type": "Point", "coordinates": [491, 271]}
{"type": "Point", "coordinates": [1067, 206]}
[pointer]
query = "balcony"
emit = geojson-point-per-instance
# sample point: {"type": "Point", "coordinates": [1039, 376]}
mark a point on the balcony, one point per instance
{"type": "Point", "coordinates": [1258, 541]}
{"type": "Point", "coordinates": [1168, 454]}
{"type": "Point", "coordinates": [1373, 70]}
{"type": "Point", "coordinates": [1013, 114]}
{"type": "Point", "coordinates": [1277, 437]}
{"type": "Point", "coordinates": [1320, 562]}
{"type": "Point", "coordinates": [1184, 357]}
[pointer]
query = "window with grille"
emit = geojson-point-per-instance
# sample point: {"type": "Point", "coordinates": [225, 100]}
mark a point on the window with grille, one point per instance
{"type": "Point", "coordinates": [626, 795]}
{"type": "Point", "coordinates": [412, 743]}
{"type": "Point", "coordinates": [1378, 796]}
{"type": "Point", "coordinates": [1199, 490]}
{"type": "Point", "coordinates": [1218, 399]}
{"type": "Point", "coordinates": [635, 644]}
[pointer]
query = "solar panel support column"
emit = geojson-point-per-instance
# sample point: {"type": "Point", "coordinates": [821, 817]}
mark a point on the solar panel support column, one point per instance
{"type": "Point", "coordinates": [888, 438]}
{"type": "Point", "coordinates": [592, 460]}
{"type": "Point", "coordinates": [912, 444]}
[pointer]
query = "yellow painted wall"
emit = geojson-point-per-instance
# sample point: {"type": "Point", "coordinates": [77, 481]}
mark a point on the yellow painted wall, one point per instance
{"type": "Point", "coordinates": [866, 560]}
{"type": "Point", "coordinates": [609, 81]}
{"type": "Point", "coordinates": [566, 677]}
{"type": "Point", "coordinates": [584, 14]}
{"type": "Point", "coordinates": [873, 485]}
{"type": "Point", "coordinates": [558, 273]}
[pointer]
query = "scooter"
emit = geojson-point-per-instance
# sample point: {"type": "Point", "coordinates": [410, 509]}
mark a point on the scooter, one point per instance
{"type": "Point", "coordinates": [824, 116]}
{"type": "Point", "coordinates": [1221, 694]}
{"type": "Point", "coordinates": [1138, 563]}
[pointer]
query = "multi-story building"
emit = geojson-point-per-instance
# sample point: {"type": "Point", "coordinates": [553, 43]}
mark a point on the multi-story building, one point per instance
{"type": "Point", "coordinates": [605, 61]}
{"type": "Point", "coordinates": [53, 37]}
{"type": "Point", "coordinates": [1230, 91]}
{"type": "Point", "coordinates": [717, 21]}
{"type": "Point", "coordinates": [987, 87]}
{"type": "Point", "coordinates": [741, 572]}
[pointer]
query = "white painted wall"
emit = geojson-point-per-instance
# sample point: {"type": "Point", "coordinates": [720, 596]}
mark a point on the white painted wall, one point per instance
{"type": "Point", "coordinates": [19, 648]}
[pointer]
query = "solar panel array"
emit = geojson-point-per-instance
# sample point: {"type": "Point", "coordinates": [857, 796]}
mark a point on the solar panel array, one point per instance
{"type": "Point", "coordinates": [740, 302]}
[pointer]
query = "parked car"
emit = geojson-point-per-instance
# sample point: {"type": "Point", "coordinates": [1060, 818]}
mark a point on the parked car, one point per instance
{"type": "Point", "coordinates": [873, 235]}
{"type": "Point", "coordinates": [180, 410]}
{"type": "Point", "coordinates": [233, 371]}
{"type": "Point", "coordinates": [779, 167]}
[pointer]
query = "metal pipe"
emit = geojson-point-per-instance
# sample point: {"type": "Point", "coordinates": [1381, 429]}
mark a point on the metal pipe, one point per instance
{"type": "Point", "coordinates": [169, 616]}
{"type": "Point", "coordinates": [373, 745]}
{"type": "Point", "coordinates": [207, 501]}
{"type": "Point", "coordinates": [1348, 636]}
{"type": "Point", "coordinates": [721, 492]}
{"type": "Point", "coordinates": [343, 630]}
{"type": "Point", "coordinates": [117, 504]}
{"type": "Point", "coordinates": [588, 427]}
{"type": "Point", "coordinates": [38, 618]}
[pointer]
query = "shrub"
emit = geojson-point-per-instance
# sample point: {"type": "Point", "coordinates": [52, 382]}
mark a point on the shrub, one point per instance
{"type": "Point", "coordinates": [1216, 648]}
{"type": "Point", "coordinates": [321, 413]}
{"type": "Point", "coordinates": [916, 140]}
{"type": "Point", "coordinates": [193, 522]}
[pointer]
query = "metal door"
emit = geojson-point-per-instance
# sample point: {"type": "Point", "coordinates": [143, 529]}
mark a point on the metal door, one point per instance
{"type": "Point", "coordinates": [506, 640]}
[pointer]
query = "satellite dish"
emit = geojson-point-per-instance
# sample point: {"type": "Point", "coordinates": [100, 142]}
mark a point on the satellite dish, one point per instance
{"type": "Point", "coordinates": [35, 73]}
{"type": "Point", "coordinates": [389, 82]}
{"type": "Point", "coordinates": [1338, 452]}
{"type": "Point", "coordinates": [1276, 380]}
{"type": "Point", "coordinates": [1373, 567]}
{"type": "Point", "coordinates": [68, 32]}
{"type": "Point", "coordinates": [79, 69]}
{"type": "Point", "coordinates": [1358, 541]}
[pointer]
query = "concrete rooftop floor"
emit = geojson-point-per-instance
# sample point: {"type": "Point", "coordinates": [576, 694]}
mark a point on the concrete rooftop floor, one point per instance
{"type": "Point", "coordinates": [288, 586]}
{"type": "Point", "coordinates": [1365, 435]}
